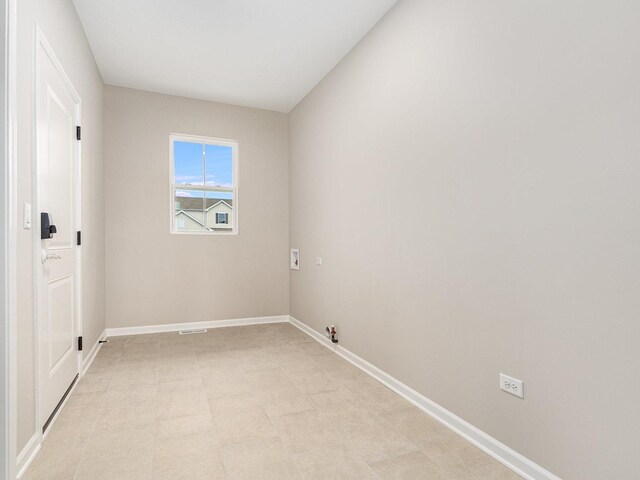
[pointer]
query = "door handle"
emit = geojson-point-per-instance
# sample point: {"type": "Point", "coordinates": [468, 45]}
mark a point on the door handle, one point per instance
{"type": "Point", "coordinates": [44, 256]}
{"type": "Point", "coordinates": [47, 229]}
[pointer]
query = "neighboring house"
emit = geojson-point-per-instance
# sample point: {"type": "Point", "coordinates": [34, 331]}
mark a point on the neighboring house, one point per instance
{"type": "Point", "coordinates": [194, 214]}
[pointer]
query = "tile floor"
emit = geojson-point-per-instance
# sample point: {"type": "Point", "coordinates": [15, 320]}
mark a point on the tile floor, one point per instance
{"type": "Point", "coordinates": [258, 402]}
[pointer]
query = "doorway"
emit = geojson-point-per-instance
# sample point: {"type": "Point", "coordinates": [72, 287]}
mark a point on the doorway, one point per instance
{"type": "Point", "coordinates": [57, 259]}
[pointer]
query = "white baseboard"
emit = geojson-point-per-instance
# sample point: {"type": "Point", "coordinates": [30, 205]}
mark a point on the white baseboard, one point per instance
{"type": "Point", "coordinates": [175, 327]}
{"type": "Point", "coordinates": [492, 447]}
{"type": "Point", "coordinates": [26, 456]}
{"type": "Point", "coordinates": [86, 361]}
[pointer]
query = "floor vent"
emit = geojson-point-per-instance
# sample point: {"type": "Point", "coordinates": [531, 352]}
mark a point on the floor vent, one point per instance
{"type": "Point", "coordinates": [191, 332]}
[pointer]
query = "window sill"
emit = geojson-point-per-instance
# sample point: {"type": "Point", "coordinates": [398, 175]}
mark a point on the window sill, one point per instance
{"type": "Point", "coordinates": [204, 233]}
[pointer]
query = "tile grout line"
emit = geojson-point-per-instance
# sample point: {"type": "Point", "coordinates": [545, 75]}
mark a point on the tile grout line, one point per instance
{"type": "Point", "coordinates": [95, 423]}
{"type": "Point", "coordinates": [155, 423]}
{"type": "Point", "coordinates": [200, 370]}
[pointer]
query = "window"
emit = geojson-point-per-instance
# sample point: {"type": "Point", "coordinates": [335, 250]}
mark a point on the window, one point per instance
{"type": "Point", "coordinates": [204, 185]}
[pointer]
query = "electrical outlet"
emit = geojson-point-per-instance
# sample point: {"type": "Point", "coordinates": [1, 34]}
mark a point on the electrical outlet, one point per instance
{"type": "Point", "coordinates": [512, 385]}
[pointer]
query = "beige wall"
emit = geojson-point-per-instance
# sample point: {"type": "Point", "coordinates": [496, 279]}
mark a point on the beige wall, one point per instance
{"type": "Point", "coordinates": [154, 277]}
{"type": "Point", "coordinates": [59, 23]}
{"type": "Point", "coordinates": [470, 174]}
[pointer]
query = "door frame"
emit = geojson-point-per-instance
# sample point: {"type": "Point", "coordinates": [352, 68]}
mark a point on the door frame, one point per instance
{"type": "Point", "coordinates": [8, 240]}
{"type": "Point", "coordinates": [42, 42]}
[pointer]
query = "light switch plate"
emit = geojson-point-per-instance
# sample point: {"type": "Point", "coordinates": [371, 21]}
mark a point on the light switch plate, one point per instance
{"type": "Point", "coordinates": [26, 219]}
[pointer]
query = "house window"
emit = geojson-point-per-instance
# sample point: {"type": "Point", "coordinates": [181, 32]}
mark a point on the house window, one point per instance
{"type": "Point", "coordinates": [204, 185]}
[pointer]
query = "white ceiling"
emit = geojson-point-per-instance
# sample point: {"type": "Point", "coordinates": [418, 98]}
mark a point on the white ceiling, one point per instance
{"type": "Point", "coordinates": [259, 53]}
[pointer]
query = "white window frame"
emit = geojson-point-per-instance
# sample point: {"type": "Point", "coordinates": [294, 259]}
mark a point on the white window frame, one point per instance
{"type": "Point", "coordinates": [179, 137]}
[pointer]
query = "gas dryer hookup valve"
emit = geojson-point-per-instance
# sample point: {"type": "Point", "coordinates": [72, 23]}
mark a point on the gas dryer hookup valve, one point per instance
{"type": "Point", "coordinates": [332, 333]}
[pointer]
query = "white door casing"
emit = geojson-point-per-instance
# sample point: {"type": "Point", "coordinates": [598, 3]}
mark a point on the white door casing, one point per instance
{"type": "Point", "coordinates": [56, 259]}
{"type": "Point", "coordinates": [8, 240]}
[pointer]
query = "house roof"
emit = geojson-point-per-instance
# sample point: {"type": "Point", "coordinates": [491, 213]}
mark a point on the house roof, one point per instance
{"type": "Point", "coordinates": [191, 203]}
{"type": "Point", "coordinates": [182, 212]}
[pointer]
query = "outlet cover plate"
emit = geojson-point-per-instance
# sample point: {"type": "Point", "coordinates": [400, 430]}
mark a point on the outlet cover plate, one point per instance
{"type": "Point", "coordinates": [294, 263]}
{"type": "Point", "coordinates": [512, 385]}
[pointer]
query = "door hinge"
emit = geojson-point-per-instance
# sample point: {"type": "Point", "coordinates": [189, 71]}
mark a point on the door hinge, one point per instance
{"type": "Point", "coordinates": [78, 238]}
{"type": "Point", "coordinates": [79, 344]}
{"type": "Point", "coordinates": [78, 132]}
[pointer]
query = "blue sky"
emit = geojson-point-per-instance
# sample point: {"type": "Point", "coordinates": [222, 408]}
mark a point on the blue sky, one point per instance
{"type": "Point", "coordinates": [189, 168]}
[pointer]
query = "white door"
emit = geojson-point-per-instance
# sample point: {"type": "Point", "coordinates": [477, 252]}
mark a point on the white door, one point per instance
{"type": "Point", "coordinates": [57, 109]}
